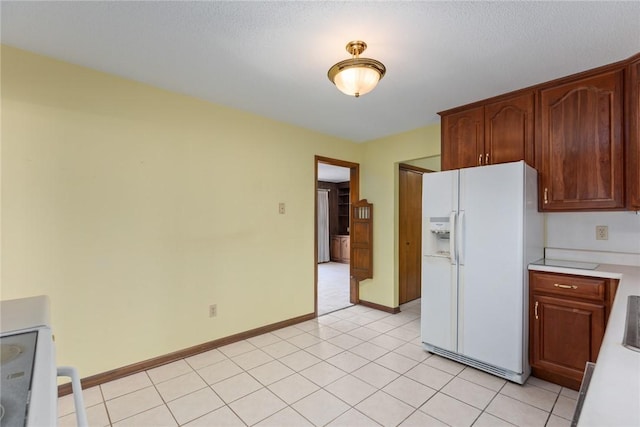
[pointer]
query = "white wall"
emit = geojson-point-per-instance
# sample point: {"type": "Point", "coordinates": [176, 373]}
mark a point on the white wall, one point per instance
{"type": "Point", "coordinates": [578, 231]}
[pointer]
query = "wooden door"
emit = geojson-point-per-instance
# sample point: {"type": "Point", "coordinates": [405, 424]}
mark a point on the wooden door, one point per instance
{"type": "Point", "coordinates": [410, 233]}
{"type": "Point", "coordinates": [565, 334]}
{"type": "Point", "coordinates": [361, 240]}
{"type": "Point", "coordinates": [508, 130]}
{"type": "Point", "coordinates": [633, 144]}
{"type": "Point", "coordinates": [462, 139]}
{"type": "Point", "coordinates": [581, 140]}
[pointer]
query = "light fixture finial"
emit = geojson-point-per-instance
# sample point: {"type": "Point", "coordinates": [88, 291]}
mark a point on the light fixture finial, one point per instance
{"type": "Point", "coordinates": [356, 47]}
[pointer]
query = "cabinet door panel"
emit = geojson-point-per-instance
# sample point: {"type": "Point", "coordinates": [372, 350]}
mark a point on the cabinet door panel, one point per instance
{"type": "Point", "coordinates": [462, 139]}
{"type": "Point", "coordinates": [633, 152]}
{"type": "Point", "coordinates": [581, 139]}
{"type": "Point", "coordinates": [509, 130]}
{"type": "Point", "coordinates": [344, 248]}
{"type": "Point", "coordinates": [334, 249]}
{"type": "Point", "coordinates": [566, 334]}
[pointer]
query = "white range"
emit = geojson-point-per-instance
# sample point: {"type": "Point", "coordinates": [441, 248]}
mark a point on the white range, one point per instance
{"type": "Point", "coordinates": [28, 372]}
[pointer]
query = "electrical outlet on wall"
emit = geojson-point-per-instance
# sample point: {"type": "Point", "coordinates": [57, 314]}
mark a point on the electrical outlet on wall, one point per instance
{"type": "Point", "coordinates": [602, 232]}
{"type": "Point", "coordinates": [213, 310]}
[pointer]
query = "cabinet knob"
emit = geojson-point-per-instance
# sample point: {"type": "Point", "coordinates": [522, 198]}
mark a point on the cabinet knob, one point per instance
{"type": "Point", "coordinates": [536, 310]}
{"type": "Point", "coordinates": [480, 160]}
{"type": "Point", "coordinates": [486, 158]}
{"type": "Point", "coordinates": [546, 195]}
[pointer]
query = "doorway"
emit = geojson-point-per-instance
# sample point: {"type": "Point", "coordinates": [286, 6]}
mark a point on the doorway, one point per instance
{"type": "Point", "coordinates": [336, 189]}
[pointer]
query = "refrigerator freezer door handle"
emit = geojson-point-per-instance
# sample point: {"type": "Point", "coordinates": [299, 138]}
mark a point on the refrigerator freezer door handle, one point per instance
{"type": "Point", "coordinates": [452, 238]}
{"type": "Point", "coordinates": [459, 238]}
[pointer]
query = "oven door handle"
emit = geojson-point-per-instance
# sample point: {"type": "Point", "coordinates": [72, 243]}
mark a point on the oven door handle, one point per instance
{"type": "Point", "coordinates": [78, 400]}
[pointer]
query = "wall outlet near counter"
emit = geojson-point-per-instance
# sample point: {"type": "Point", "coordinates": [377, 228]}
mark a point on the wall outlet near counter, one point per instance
{"type": "Point", "coordinates": [213, 310]}
{"type": "Point", "coordinates": [602, 232]}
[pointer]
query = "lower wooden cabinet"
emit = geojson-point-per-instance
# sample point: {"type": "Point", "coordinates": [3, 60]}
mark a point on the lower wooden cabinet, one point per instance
{"type": "Point", "coordinates": [567, 319]}
{"type": "Point", "coordinates": [340, 249]}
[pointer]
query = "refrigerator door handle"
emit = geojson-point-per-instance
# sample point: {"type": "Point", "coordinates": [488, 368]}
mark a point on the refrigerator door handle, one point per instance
{"type": "Point", "coordinates": [459, 238]}
{"type": "Point", "coordinates": [452, 238]}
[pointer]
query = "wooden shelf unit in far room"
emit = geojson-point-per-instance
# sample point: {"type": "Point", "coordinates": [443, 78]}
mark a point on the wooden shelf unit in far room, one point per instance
{"type": "Point", "coordinates": [340, 249]}
{"type": "Point", "coordinates": [343, 208]}
{"type": "Point", "coordinates": [580, 132]}
{"type": "Point", "coordinates": [339, 220]}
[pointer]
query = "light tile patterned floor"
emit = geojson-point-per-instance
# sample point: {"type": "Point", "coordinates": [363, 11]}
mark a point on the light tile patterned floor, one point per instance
{"type": "Point", "coordinates": [354, 367]}
{"type": "Point", "coordinates": [333, 287]}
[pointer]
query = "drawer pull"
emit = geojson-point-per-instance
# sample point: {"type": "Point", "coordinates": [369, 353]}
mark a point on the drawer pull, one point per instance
{"type": "Point", "coordinates": [480, 159]}
{"type": "Point", "coordinates": [558, 285]}
{"type": "Point", "coordinates": [536, 310]}
{"type": "Point", "coordinates": [546, 196]}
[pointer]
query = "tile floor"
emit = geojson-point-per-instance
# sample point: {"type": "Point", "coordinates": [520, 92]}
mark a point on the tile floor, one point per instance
{"type": "Point", "coordinates": [333, 287]}
{"type": "Point", "coordinates": [353, 367]}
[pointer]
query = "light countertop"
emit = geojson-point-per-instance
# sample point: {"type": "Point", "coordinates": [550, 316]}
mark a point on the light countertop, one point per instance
{"type": "Point", "coordinates": [613, 398]}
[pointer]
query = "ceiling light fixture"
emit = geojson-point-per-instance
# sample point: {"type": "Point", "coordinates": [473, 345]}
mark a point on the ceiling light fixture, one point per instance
{"type": "Point", "coordinates": [356, 76]}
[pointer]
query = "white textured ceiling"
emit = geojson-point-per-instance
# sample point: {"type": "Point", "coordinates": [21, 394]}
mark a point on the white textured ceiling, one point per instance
{"type": "Point", "coordinates": [271, 57]}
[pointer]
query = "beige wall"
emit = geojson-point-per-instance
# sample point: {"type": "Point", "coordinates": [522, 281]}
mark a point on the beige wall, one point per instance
{"type": "Point", "coordinates": [432, 163]}
{"type": "Point", "coordinates": [135, 208]}
{"type": "Point", "coordinates": [379, 184]}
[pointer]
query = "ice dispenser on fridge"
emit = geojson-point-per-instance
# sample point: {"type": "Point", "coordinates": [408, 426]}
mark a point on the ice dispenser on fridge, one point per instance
{"type": "Point", "coordinates": [438, 243]}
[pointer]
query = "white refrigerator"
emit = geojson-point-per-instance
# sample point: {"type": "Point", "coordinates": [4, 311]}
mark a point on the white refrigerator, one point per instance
{"type": "Point", "coordinates": [481, 228]}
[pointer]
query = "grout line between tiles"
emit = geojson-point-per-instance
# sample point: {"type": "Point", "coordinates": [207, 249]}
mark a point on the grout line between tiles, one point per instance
{"type": "Point", "coordinates": [403, 329]}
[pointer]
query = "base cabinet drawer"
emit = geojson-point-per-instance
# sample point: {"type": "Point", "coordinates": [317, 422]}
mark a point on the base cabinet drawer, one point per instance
{"type": "Point", "coordinates": [570, 286]}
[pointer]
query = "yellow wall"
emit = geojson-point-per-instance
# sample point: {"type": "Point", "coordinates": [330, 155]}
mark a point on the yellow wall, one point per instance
{"type": "Point", "coordinates": [379, 184]}
{"type": "Point", "coordinates": [135, 208]}
{"type": "Point", "coordinates": [430, 163]}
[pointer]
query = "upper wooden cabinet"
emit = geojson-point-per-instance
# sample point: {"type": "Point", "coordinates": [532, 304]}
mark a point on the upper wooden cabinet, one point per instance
{"type": "Point", "coordinates": [462, 138]}
{"type": "Point", "coordinates": [581, 142]}
{"type": "Point", "coordinates": [633, 138]}
{"type": "Point", "coordinates": [508, 130]}
{"type": "Point", "coordinates": [496, 132]}
{"type": "Point", "coordinates": [581, 133]}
